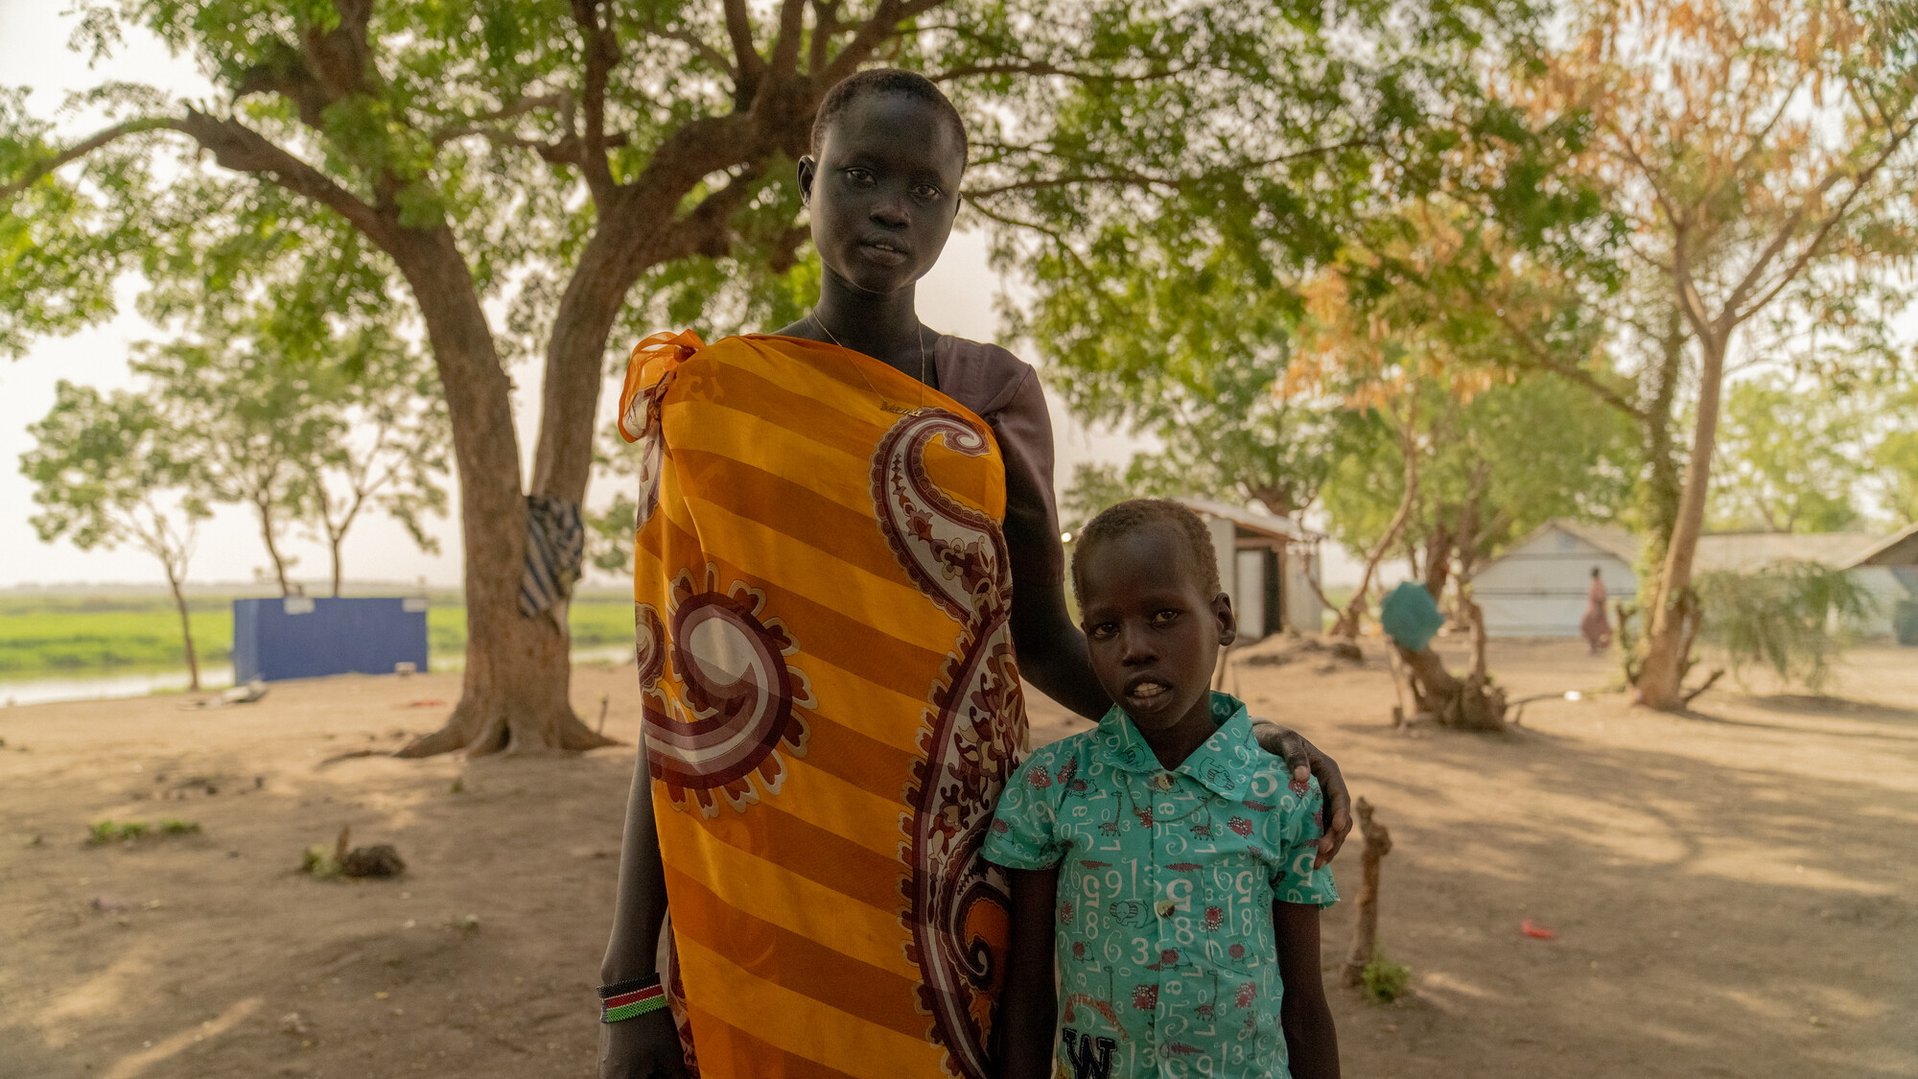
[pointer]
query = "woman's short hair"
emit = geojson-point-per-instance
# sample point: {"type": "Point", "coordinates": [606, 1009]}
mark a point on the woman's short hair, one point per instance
{"type": "Point", "coordinates": [884, 80]}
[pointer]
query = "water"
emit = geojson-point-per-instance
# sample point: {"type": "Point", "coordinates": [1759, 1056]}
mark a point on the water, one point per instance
{"type": "Point", "coordinates": [97, 687]}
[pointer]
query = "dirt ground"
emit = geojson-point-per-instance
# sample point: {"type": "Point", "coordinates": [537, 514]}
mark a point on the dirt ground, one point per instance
{"type": "Point", "coordinates": [1731, 892]}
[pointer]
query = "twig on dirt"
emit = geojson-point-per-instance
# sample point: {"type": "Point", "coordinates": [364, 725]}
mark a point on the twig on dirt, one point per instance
{"type": "Point", "coordinates": [352, 753]}
{"type": "Point", "coordinates": [604, 700]}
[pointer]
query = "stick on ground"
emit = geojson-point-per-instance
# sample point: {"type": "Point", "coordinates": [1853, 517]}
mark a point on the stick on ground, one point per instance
{"type": "Point", "coordinates": [1365, 937]}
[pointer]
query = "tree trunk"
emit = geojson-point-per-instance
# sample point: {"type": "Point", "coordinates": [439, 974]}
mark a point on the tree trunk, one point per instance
{"type": "Point", "coordinates": [333, 544]}
{"type": "Point", "coordinates": [1471, 704]}
{"type": "Point", "coordinates": [1347, 625]}
{"type": "Point", "coordinates": [1674, 613]}
{"type": "Point", "coordinates": [612, 261]}
{"type": "Point", "coordinates": [272, 546]}
{"type": "Point", "coordinates": [186, 630]}
{"type": "Point", "coordinates": [1662, 486]}
{"type": "Point", "coordinates": [514, 696]}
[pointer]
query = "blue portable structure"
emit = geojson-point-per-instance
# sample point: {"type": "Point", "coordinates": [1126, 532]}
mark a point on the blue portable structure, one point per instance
{"type": "Point", "coordinates": [300, 637]}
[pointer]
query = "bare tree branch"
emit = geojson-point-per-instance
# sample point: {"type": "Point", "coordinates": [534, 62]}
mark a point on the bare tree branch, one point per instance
{"type": "Point", "coordinates": [1043, 67]}
{"type": "Point", "coordinates": [792, 28]}
{"type": "Point", "coordinates": [1132, 177]}
{"type": "Point", "coordinates": [601, 50]}
{"type": "Point", "coordinates": [826, 26]}
{"type": "Point", "coordinates": [739, 27]}
{"type": "Point", "coordinates": [473, 124]}
{"type": "Point", "coordinates": [703, 49]}
{"type": "Point", "coordinates": [883, 24]}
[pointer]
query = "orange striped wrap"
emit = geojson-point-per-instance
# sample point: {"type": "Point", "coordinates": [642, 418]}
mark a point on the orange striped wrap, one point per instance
{"type": "Point", "coordinates": [831, 706]}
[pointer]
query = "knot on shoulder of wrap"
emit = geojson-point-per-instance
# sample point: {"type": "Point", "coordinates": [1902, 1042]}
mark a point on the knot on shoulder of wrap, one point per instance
{"type": "Point", "coordinates": [648, 372]}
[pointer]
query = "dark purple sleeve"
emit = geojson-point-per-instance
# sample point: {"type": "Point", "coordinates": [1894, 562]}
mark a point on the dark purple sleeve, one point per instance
{"type": "Point", "coordinates": [1024, 430]}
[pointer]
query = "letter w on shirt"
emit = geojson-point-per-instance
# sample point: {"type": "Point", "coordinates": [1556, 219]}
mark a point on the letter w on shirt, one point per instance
{"type": "Point", "coordinates": [1090, 1057]}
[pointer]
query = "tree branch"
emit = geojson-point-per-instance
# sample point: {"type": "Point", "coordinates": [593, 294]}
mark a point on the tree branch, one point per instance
{"type": "Point", "coordinates": [86, 146]}
{"type": "Point", "coordinates": [705, 51]}
{"type": "Point", "coordinates": [792, 27]}
{"type": "Point", "coordinates": [472, 124]}
{"type": "Point", "coordinates": [826, 26]}
{"type": "Point", "coordinates": [883, 24]}
{"type": "Point", "coordinates": [601, 51]}
{"type": "Point", "coordinates": [1810, 251]}
{"type": "Point", "coordinates": [1043, 67]}
{"type": "Point", "coordinates": [1141, 179]}
{"type": "Point", "coordinates": [238, 147]}
{"type": "Point", "coordinates": [739, 27]}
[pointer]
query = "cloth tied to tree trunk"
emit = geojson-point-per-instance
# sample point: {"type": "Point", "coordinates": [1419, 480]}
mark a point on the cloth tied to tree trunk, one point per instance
{"type": "Point", "coordinates": [1410, 616]}
{"type": "Point", "coordinates": [555, 546]}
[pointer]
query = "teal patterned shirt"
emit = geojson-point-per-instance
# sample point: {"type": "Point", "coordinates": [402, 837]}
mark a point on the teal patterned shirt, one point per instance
{"type": "Point", "coordinates": [1165, 951]}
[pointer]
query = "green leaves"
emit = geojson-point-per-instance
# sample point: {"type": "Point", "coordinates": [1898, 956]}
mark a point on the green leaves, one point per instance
{"type": "Point", "coordinates": [108, 470]}
{"type": "Point", "coordinates": [1792, 618]}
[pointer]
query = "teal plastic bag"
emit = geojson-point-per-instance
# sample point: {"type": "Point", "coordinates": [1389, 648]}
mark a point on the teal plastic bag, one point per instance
{"type": "Point", "coordinates": [1410, 616]}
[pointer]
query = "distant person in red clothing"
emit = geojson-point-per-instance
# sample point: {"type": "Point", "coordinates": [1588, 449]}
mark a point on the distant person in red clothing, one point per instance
{"type": "Point", "coordinates": [1596, 627]}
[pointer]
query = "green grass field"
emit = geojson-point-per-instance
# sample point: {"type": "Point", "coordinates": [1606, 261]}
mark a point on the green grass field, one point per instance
{"type": "Point", "coordinates": [66, 636]}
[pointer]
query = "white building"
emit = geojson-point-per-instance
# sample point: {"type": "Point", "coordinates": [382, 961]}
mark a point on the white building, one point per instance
{"type": "Point", "coordinates": [1537, 588]}
{"type": "Point", "coordinates": [1269, 565]}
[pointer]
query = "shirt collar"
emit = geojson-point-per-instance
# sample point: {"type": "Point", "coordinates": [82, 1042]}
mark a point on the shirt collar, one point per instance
{"type": "Point", "coordinates": [1222, 763]}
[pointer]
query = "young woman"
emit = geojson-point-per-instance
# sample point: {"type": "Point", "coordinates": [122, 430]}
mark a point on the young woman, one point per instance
{"type": "Point", "coordinates": [845, 528]}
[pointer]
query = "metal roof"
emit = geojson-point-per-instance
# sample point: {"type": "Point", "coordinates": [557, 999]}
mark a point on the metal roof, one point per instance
{"type": "Point", "coordinates": [1747, 551]}
{"type": "Point", "coordinates": [1899, 550]}
{"type": "Point", "coordinates": [1266, 524]}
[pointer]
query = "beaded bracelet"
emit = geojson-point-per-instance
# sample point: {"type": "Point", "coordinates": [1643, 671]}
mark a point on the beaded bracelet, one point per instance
{"type": "Point", "coordinates": [624, 1000]}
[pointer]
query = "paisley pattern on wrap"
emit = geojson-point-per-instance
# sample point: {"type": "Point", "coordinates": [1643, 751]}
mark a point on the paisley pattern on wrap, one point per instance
{"type": "Point", "coordinates": [957, 904]}
{"type": "Point", "coordinates": [737, 701]}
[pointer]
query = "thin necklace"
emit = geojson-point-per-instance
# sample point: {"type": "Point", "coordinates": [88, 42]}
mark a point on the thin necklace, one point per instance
{"type": "Point", "coordinates": [885, 404]}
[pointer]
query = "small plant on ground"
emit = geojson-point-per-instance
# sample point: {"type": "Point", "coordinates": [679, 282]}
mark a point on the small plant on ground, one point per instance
{"type": "Point", "coordinates": [101, 832]}
{"type": "Point", "coordinates": [1384, 980]}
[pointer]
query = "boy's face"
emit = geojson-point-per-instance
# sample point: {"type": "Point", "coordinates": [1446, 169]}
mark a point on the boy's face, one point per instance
{"type": "Point", "coordinates": [1153, 633]}
{"type": "Point", "coordinates": [883, 191]}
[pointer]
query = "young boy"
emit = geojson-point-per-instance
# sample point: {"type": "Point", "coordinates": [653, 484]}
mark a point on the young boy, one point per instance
{"type": "Point", "coordinates": [1161, 861]}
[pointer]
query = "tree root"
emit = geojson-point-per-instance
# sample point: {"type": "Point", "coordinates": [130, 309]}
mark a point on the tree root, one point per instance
{"type": "Point", "coordinates": [497, 733]}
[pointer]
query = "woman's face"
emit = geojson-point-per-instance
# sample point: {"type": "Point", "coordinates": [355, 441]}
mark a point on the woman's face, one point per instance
{"type": "Point", "coordinates": [883, 191]}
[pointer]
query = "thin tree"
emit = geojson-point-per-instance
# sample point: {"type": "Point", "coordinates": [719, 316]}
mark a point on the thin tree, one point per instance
{"type": "Point", "coordinates": [1759, 153]}
{"type": "Point", "coordinates": [108, 472]}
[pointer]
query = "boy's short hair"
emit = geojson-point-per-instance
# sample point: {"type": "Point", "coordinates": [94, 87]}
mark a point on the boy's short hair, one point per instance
{"type": "Point", "coordinates": [885, 80]}
{"type": "Point", "coordinates": [1134, 514]}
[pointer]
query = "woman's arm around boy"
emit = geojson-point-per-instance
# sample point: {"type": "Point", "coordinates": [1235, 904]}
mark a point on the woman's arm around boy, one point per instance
{"type": "Point", "coordinates": [1311, 1042]}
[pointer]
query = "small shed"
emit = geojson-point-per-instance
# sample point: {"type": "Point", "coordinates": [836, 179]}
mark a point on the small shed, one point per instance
{"type": "Point", "coordinates": [1268, 564]}
{"type": "Point", "coordinates": [1537, 588]}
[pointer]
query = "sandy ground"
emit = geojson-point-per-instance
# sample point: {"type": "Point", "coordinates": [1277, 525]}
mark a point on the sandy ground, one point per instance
{"type": "Point", "coordinates": [1732, 893]}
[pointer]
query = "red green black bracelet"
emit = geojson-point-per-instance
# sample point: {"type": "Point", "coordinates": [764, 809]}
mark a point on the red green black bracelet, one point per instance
{"type": "Point", "coordinates": [624, 1000]}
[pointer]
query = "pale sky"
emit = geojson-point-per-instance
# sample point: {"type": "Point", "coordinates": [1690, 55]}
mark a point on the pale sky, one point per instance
{"type": "Point", "coordinates": [957, 297]}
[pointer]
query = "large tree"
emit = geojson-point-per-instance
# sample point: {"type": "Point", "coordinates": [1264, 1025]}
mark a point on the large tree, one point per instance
{"type": "Point", "coordinates": [544, 159]}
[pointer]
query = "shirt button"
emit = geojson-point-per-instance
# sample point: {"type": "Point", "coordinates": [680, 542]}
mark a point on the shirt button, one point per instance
{"type": "Point", "coordinates": [1165, 907]}
{"type": "Point", "coordinates": [1163, 781]}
